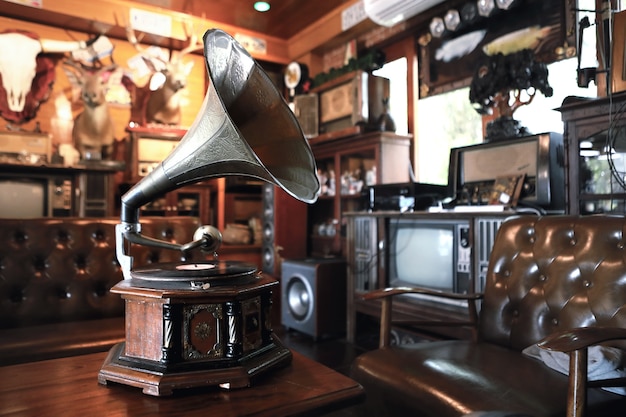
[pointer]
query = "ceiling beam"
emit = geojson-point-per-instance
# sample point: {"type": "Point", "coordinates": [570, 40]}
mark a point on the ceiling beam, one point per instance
{"type": "Point", "coordinates": [326, 33]}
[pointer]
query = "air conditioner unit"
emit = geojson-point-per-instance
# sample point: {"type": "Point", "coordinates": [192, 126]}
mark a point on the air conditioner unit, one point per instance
{"type": "Point", "coordinates": [390, 12]}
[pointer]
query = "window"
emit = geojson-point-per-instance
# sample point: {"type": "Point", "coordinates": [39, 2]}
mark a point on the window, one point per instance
{"type": "Point", "coordinates": [444, 121]}
{"type": "Point", "coordinates": [396, 72]}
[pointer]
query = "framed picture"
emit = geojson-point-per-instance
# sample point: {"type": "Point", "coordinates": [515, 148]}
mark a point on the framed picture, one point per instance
{"type": "Point", "coordinates": [449, 62]}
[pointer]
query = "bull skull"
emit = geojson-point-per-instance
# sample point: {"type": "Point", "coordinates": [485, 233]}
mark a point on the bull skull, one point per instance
{"type": "Point", "coordinates": [19, 52]}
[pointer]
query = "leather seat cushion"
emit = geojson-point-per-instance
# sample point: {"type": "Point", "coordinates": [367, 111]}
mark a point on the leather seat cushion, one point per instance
{"type": "Point", "coordinates": [56, 340]}
{"type": "Point", "coordinates": [453, 378]}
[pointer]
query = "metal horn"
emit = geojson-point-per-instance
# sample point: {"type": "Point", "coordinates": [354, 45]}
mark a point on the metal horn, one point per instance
{"type": "Point", "coordinates": [244, 127]}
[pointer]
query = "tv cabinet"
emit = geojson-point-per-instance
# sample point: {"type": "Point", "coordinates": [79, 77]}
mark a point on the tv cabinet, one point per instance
{"type": "Point", "coordinates": [347, 161]}
{"type": "Point", "coordinates": [88, 187]}
{"type": "Point", "coordinates": [367, 268]}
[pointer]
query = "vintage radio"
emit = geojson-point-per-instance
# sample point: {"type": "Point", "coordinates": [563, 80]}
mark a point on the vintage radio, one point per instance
{"type": "Point", "coordinates": [148, 147]}
{"type": "Point", "coordinates": [538, 158]}
{"type": "Point", "coordinates": [352, 99]}
{"type": "Point", "coordinates": [26, 147]}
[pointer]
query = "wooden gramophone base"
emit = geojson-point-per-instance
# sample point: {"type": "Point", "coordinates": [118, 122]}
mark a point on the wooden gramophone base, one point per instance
{"type": "Point", "coordinates": [181, 336]}
{"type": "Point", "coordinates": [163, 383]}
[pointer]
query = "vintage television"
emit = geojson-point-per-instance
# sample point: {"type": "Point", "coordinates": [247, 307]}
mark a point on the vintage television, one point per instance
{"type": "Point", "coordinates": [430, 253]}
{"type": "Point", "coordinates": [353, 99]}
{"type": "Point", "coordinates": [474, 169]}
{"type": "Point", "coordinates": [36, 196]}
{"type": "Point", "coordinates": [448, 253]}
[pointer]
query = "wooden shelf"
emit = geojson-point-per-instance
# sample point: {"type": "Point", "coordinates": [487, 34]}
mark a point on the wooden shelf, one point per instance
{"type": "Point", "coordinates": [344, 152]}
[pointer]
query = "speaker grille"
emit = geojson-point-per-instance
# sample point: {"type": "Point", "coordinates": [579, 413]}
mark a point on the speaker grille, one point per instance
{"type": "Point", "coordinates": [487, 228]}
{"type": "Point", "coordinates": [365, 253]}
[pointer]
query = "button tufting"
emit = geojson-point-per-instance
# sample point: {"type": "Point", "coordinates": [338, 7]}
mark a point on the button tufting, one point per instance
{"type": "Point", "coordinates": [587, 283]}
{"type": "Point", "coordinates": [542, 277]}
{"type": "Point", "coordinates": [62, 237]}
{"type": "Point", "coordinates": [555, 321]}
{"type": "Point", "coordinates": [572, 242]}
{"type": "Point", "coordinates": [620, 245]}
{"type": "Point", "coordinates": [98, 235]}
{"type": "Point", "coordinates": [16, 295]}
{"type": "Point", "coordinates": [20, 237]}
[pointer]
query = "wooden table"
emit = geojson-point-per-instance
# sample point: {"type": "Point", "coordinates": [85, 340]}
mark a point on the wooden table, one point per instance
{"type": "Point", "coordinates": [69, 387]}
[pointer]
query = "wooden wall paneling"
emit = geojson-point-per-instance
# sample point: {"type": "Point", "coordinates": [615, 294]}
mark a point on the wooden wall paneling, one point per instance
{"type": "Point", "coordinates": [112, 14]}
{"type": "Point", "coordinates": [52, 115]}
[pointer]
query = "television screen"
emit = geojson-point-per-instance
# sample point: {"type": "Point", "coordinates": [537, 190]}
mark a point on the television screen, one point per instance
{"type": "Point", "coordinates": [22, 199]}
{"type": "Point", "coordinates": [423, 256]}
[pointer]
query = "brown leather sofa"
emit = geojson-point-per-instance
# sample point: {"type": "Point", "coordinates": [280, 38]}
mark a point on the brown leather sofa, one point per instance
{"type": "Point", "coordinates": [55, 277]}
{"type": "Point", "coordinates": [553, 275]}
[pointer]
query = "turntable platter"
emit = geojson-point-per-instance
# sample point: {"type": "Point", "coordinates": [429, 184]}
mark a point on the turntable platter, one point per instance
{"type": "Point", "coordinates": [213, 272]}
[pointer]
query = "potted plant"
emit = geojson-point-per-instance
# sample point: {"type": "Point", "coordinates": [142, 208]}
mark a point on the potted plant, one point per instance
{"type": "Point", "coordinates": [503, 83]}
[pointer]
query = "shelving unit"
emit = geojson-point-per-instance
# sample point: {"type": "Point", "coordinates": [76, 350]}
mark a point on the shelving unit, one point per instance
{"type": "Point", "coordinates": [218, 202]}
{"type": "Point", "coordinates": [594, 134]}
{"type": "Point", "coordinates": [345, 165]}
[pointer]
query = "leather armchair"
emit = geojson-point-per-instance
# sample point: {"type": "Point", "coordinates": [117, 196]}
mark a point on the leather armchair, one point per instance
{"type": "Point", "coordinates": [556, 281]}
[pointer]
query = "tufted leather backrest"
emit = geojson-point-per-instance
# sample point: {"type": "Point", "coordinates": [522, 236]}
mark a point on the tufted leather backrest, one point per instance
{"type": "Point", "coordinates": [61, 269]}
{"type": "Point", "coordinates": [554, 273]}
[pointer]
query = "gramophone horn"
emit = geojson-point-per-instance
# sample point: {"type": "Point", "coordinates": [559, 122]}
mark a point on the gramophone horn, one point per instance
{"type": "Point", "coordinates": [243, 128]}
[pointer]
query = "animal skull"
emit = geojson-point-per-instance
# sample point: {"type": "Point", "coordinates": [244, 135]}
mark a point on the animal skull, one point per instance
{"type": "Point", "coordinates": [18, 65]}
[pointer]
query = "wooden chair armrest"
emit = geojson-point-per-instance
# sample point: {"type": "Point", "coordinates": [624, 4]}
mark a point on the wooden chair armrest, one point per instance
{"type": "Point", "coordinates": [576, 342]}
{"type": "Point", "coordinates": [582, 337]}
{"type": "Point", "coordinates": [386, 295]}
{"type": "Point", "coordinates": [391, 291]}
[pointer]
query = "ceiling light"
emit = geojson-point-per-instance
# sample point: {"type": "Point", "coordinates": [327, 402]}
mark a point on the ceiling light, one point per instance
{"type": "Point", "coordinates": [485, 7]}
{"type": "Point", "coordinates": [261, 6]}
{"type": "Point", "coordinates": [437, 27]}
{"type": "Point", "coordinates": [452, 19]}
{"type": "Point", "coordinates": [504, 4]}
{"type": "Point", "coordinates": [469, 12]}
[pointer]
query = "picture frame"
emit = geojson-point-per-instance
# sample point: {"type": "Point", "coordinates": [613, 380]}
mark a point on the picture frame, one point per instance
{"type": "Point", "coordinates": [449, 62]}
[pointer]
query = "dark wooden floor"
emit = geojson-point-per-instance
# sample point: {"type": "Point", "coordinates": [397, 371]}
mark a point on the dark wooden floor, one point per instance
{"type": "Point", "coordinates": [334, 352]}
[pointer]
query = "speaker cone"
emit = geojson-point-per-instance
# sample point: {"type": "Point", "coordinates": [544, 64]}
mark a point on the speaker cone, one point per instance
{"type": "Point", "coordinates": [299, 298]}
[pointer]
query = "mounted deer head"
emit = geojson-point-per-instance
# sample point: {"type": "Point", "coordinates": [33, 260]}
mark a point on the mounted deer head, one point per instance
{"type": "Point", "coordinates": [161, 99]}
{"type": "Point", "coordinates": [93, 132]}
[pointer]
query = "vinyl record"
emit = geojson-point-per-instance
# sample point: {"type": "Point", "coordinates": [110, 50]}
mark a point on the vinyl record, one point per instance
{"type": "Point", "coordinates": [214, 272]}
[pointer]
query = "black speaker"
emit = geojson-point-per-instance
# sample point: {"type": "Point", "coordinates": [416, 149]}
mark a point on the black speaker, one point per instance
{"type": "Point", "coordinates": [284, 229]}
{"type": "Point", "coordinates": [313, 296]}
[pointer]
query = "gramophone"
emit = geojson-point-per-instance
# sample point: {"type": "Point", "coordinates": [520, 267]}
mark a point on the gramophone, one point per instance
{"type": "Point", "coordinates": [192, 324]}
